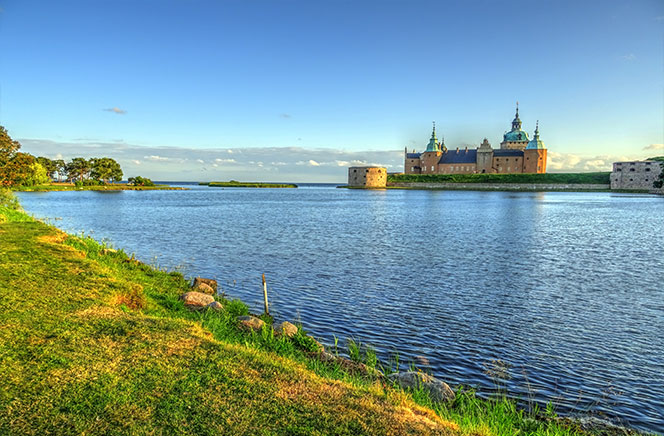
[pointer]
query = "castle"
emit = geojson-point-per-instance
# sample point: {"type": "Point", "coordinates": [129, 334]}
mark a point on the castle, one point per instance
{"type": "Point", "coordinates": [516, 154]}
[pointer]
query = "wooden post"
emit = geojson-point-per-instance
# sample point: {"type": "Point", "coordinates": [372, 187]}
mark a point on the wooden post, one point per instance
{"type": "Point", "coordinates": [267, 311]}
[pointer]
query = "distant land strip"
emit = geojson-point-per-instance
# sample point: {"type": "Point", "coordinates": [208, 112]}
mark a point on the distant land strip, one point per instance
{"type": "Point", "coordinates": [236, 184]}
{"type": "Point", "coordinates": [106, 187]}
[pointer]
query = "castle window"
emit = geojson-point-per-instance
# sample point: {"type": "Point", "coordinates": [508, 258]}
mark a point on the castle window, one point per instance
{"type": "Point", "coordinates": [618, 169]}
{"type": "Point", "coordinates": [647, 169]}
{"type": "Point", "coordinates": [631, 169]}
{"type": "Point", "coordinates": [354, 171]}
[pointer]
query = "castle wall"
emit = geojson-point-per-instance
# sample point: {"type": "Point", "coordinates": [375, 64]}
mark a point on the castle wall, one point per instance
{"type": "Point", "coordinates": [460, 168]}
{"type": "Point", "coordinates": [367, 177]}
{"type": "Point", "coordinates": [514, 145]}
{"type": "Point", "coordinates": [484, 161]}
{"type": "Point", "coordinates": [412, 166]}
{"type": "Point", "coordinates": [635, 175]}
{"type": "Point", "coordinates": [429, 161]}
{"type": "Point", "coordinates": [535, 161]}
{"type": "Point", "coordinates": [508, 164]}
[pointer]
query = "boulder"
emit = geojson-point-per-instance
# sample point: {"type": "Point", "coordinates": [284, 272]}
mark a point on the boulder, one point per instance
{"type": "Point", "coordinates": [206, 289]}
{"type": "Point", "coordinates": [438, 390]}
{"type": "Point", "coordinates": [216, 306]}
{"type": "Point", "coordinates": [210, 282]}
{"type": "Point", "coordinates": [286, 328]}
{"type": "Point", "coordinates": [106, 251]}
{"type": "Point", "coordinates": [250, 323]}
{"type": "Point", "coordinates": [196, 300]}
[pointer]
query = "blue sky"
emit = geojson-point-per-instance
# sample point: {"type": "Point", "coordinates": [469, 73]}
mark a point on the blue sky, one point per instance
{"type": "Point", "coordinates": [305, 87]}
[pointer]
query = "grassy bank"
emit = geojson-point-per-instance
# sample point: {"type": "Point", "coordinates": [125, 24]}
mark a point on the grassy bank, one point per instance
{"type": "Point", "coordinates": [95, 342]}
{"type": "Point", "coordinates": [562, 178]}
{"type": "Point", "coordinates": [235, 184]}
{"type": "Point", "coordinates": [108, 187]}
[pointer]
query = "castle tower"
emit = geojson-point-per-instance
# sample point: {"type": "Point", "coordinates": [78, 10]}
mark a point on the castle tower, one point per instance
{"type": "Point", "coordinates": [484, 157]}
{"type": "Point", "coordinates": [431, 156]}
{"type": "Point", "coordinates": [515, 139]}
{"type": "Point", "coordinates": [535, 155]}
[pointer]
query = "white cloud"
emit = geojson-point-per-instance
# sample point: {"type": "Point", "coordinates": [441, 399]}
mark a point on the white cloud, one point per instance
{"type": "Point", "coordinates": [218, 160]}
{"type": "Point", "coordinates": [155, 157]}
{"type": "Point", "coordinates": [569, 162]}
{"type": "Point", "coordinates": [115, 110]}
{"type": "Point", "coordinates": [654, 147]}
{"type": "Point", "coordinates": [628, 57]}
{"type": "Point", "coordinates": [287, 164]}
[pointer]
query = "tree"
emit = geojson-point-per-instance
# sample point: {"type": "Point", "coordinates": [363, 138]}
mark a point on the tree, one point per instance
{"type": "Point", "coordinates": [8, 147]}
{"type": "Point", "coordinates": [8, 150]}
{"type": "Point", "coordinates": [105, 169]}
{"type": "Point", "coordinates": [20, 170]}
{"type": "Point", "coordinates": [49, 165]}
{"type": "Point", "coordinates": [78, 168]}
{"type": "Point", "coordinates": [61, 168]}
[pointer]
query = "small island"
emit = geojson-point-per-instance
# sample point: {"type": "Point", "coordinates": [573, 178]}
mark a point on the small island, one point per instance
{"type": "Point", "coordinates": [236, 184]}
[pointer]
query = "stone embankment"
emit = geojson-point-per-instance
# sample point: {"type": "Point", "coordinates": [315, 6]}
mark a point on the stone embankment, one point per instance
{"type": "Point", "coordinates": [503, 186]}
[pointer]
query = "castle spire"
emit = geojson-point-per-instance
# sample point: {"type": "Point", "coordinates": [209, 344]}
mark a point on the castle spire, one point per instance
{"type": "Point", "coordinates": [433, 142]}
{"type": "Point", "coordinates": [516, 124]}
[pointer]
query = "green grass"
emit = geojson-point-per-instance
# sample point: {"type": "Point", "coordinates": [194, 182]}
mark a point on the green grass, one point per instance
{"type": "Point", "coordinates": [109, 187]}
{"type": "Point", "coordinates": [558, 178]}
{"type": "Point", "coordinates": [236, 184]}
{"type": "Point", "coordinates": [94, 342]}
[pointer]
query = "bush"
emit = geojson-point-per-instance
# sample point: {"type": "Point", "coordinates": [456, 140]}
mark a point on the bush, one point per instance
{"type": "Point", "coordinates": [88, 182]}
{"type": "Point", "coordinates": [140, 181]}
{"type": "Point", "coordinates": [8, 200]}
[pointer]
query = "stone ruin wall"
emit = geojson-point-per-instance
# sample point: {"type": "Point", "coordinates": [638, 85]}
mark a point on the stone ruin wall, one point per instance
{"type": "Point", "coordinates": [367, 177]}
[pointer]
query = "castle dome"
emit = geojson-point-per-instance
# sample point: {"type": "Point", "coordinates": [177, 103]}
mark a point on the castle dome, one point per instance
{"type": "Point", "coordinates": [536, 143]}
{"type": "Point", "coordinates": [516, 134]}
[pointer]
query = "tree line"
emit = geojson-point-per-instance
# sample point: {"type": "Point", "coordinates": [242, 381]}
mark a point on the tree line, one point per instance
{"type": "Point", "coordinates": [23, 169]}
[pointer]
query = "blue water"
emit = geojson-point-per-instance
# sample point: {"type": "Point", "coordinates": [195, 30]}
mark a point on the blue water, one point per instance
{"type": "Point", "coordinates": [562, 292]}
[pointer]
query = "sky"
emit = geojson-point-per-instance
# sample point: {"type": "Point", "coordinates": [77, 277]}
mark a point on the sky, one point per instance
{"type": "Point", "coordinates": [287, 90]}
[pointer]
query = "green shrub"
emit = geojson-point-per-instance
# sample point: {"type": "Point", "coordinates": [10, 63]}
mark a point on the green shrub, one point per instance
{"type": "Point", "coordinates": [140, 181]}
{"type": "Point", "coordinates": [88, 182]}
{"type": "Point", "coordinates": [8, 200]}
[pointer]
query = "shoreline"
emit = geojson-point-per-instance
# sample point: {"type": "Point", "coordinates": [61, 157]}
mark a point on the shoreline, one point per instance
{"type": "Point", "coordinates": [109, 187]}
{"type": "Point", "coordinates": [119, 262]}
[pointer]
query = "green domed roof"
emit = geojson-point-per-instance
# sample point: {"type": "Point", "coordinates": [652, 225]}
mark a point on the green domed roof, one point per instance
{"type": "Point", "coordinates": [516, 135]}
{"type": "Point", "coordinates": [536, 143]}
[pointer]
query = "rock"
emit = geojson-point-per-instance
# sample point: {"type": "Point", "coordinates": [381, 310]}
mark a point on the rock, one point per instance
{"type": "Point", "coordinates": [437, 389]}
{"type": "Point", "coordinates": [202, 287]}
{"type": "Point", "coordinates": [210, 282]}
{"type": "Point", "coordinates": [250, 323]}
{"type": "Point", "coordinates": [105, 251]}
{"type": "Point", "coordinates": [216, 306]}
{"type": "Point", "coordinates": [286, 328]}
{"type": "Point", "coordinates": [196, 300]}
